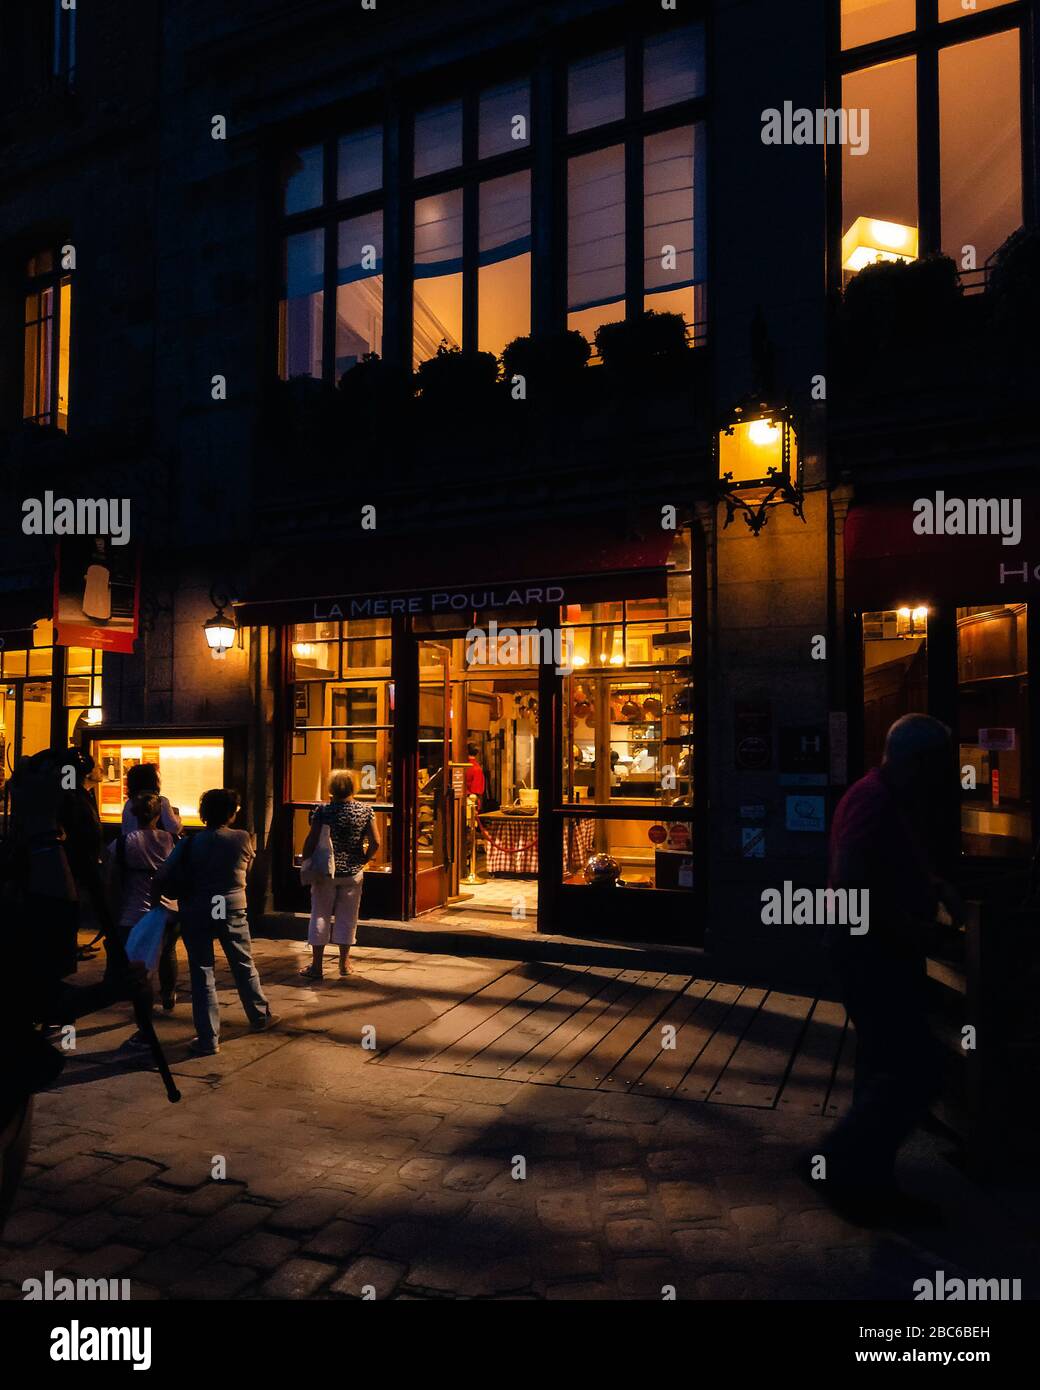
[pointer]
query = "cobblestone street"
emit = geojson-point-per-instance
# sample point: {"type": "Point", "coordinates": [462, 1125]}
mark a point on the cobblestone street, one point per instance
{"type": "Point", "coordinates": [346, 1176]}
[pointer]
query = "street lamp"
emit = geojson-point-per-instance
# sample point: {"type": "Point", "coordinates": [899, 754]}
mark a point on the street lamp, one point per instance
{"type": "Point", "coordinates": [758, 464]}
{"type": "Point", "coordinates": [220, 629]}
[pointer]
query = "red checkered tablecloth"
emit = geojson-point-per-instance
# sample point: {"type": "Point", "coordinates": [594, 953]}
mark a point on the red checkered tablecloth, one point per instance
{"type": "Point", "coordinates": [512, 843]}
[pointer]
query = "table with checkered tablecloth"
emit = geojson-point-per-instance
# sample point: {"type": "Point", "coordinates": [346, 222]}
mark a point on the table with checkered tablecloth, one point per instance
{"type": "Point", "coordinates": [512, 843]}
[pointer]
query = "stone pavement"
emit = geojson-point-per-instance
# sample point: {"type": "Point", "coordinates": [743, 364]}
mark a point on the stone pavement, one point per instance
{"type": "Point", "coordinates": [337, 1177]}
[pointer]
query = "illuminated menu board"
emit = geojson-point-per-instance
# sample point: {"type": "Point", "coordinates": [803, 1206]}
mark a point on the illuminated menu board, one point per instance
{"type": "Point", "coordinates": [187, 768]}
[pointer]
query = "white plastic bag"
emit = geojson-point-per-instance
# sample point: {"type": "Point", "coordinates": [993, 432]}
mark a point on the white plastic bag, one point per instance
{"type": "Point", "coordinates": [145, 940]}
{"type": "Point", "coordinates": [322, 862]}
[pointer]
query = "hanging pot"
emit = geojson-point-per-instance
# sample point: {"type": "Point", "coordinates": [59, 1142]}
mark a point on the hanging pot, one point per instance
{"type": "Point", "coordinates": [651, 708]}
{"type": "Point", "coordinates": [631, 710]}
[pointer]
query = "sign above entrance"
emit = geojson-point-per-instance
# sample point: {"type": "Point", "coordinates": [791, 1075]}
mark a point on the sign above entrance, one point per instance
{"type": "Point", "coordinates": [443, 601]}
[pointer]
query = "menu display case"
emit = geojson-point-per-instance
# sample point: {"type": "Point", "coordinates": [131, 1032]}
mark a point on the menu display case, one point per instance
{"type": "Point", "coordinates": [188, 766]}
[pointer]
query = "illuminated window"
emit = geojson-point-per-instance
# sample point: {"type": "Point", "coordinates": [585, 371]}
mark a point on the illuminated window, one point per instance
{"type": "Point", "coordinates": [895, 672]}
{"type": "Point", "coordinates": [596, 239]}
{"type": "Point", "coordinates": [879, 187]}
{"type": "Point", "coordinates": [867, 21]}
{"type": "Point", "coordinates": [980, 158]}
{"type": "Point", "coordinates": [939, 166]}
{"type": "Point", "coordinates": [437, 296]}
{"type": "Point", "coordinates": [504, 283]}
{"type": "Point", "coordinates": [359, 290]}
{"type": "Point", "coordinates": [48, 317]}
{"type": "Point", "coordinates": [301, 308]}
{"type": "Point", "coordinates": [343, 715]}
{"type": "Point", "coordinates": [671, 275]}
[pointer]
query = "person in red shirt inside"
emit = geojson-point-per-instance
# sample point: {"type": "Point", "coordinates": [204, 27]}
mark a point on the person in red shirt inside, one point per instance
{"type": "Point", "coordinates": [878, 843]}
{"type": "Point", "coordinates": [474, 775]}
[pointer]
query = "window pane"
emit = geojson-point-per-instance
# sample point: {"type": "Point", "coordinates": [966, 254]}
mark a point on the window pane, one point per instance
{"type": "Point", "coordinates": [504, 285]}
{"type": "Point", "coordinates": [437, 296]}
{"type": "Point", "coordinates": [669, 255]}
{"type": "Point", "coordinates": [360, 163]}
{"type": "Point", "coordinates": [954, 9]}
{"type": "Point", "coordinates": [866, 21]}
{"type": "Point", "coordinates": [895, 673]}
{"type": "Point", "coordinates": [64, 333]}
{"type": "Point", "coordinates": [596, 90]}
{"type": "Point", "coordinates": [673, 67]}
{"type": "Point", "coordinates": [359, 290]}
{"type": "Point", "coordinates": [37, 401]}
{"type": "Point", "coordinates": [505, 118]}
{"type": "Point", "coordinates": [300, 311]}
{"type": "Point", "coordinates": [994, 730]}
{"type": "Point", "coordinates": [596, 239]}
{"type": "Point", "coordinates": [879, 188]}
{"type": "Point", "coordinates": [302, 179]}
{"type": "Point", "coordinates": [981, 145]}
{"type": "Point", "coordinates": [438, 138]}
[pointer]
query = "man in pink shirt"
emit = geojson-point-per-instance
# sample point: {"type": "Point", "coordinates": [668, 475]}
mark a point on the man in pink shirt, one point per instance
{"type": "Point", "coordinates": [879, 845]}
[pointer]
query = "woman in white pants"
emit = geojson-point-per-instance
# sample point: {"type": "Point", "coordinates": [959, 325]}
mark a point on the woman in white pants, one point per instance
{"type": "Point", "coordinates": [335, 902]}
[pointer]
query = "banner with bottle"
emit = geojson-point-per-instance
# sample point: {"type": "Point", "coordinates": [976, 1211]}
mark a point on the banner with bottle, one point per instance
{"type": "Point", "coordinates": [97, 593]}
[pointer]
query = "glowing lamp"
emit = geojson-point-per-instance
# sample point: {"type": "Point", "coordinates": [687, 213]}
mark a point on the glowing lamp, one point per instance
{"type": "Point", "coordinates": [220, 633]}
{"type": "Point", "coordinates": [869, 240]}
{"type": "Point", "coordinates": [758, 464]}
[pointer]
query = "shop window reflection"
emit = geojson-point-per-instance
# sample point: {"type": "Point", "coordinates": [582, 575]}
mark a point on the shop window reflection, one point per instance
{"type": "Point", "coordinates": [994, 731]}
{"type": "Point", "coordinates": [359, 290]}
{"type": "Point", "coordinates": [618, 853]}
{"type": "Point", "coordinates": [596, 239]}
{"type": "Point", "coordinates": [504, 274]}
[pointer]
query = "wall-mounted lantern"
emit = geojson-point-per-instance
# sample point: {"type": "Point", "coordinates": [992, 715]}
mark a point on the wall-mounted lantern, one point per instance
{"type": "Point", "coordinates": [869, 240]}
{"type": "Point", "coordinates": [758, 463]}
{"type": "Point", "coordinates": [220, 630]}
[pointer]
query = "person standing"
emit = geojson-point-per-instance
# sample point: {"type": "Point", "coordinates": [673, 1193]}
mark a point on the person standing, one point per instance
{"type": "Point", "coordinates": [336, 902]}
{"type": "Point", "coordinates": [144, 777]}
{"type": "Point", "coordinates": [134, 858]}
{"type": "Point", "coordinates": [207, 875]}
{"type": "Point", "coordinates": [878, 846]}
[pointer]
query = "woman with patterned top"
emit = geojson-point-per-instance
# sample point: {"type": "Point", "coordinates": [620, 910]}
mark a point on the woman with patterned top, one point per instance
{"type": "Point", "coordinates": [335, 902]}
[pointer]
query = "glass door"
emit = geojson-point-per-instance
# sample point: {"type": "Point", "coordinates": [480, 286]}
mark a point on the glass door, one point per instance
{"type": "Point", "coordinates": [433, 801]}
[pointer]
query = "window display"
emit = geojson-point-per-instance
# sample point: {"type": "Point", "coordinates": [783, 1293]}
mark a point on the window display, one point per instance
{"type": "Point", "coordinates": [187, 768]}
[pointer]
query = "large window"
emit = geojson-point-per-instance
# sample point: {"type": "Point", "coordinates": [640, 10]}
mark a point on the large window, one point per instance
{"type": "Point", "coordinates": [628, 732]}
{"type": "Point", "coordinates": [439, 214]}
{"type": "Point", "coordinates": [342, 705]}
{"type": "Point", "coordinates": [47, 341]}
{"type": "Point", "coordinates": [641, 157]}
{"type": "Point", "coordinates": [938, 89]}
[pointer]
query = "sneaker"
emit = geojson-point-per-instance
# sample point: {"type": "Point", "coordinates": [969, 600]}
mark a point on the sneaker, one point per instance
{"type": "Point", "coordinates": [203, 1049]}
{"type": "Point", "coordinates": [137, 1042]}
{"type": "Point", "coordinates": [262, 1025]}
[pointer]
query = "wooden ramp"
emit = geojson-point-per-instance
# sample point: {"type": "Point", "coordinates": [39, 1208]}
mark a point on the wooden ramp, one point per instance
{"type": "Point", "coordinates": [647, 1033]}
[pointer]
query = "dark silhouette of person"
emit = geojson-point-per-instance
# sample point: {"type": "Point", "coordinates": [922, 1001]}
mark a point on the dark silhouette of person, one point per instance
{"type": "Point", "coordinates": [878, 844]}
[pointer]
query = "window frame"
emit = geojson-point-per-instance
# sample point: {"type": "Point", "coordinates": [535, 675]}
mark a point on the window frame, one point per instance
{"type": "Point", "coordinates": [924, 43]}
{"type": "Point", "coordinates": [545, 156]}
{"type": "Point", "coordinates": [55, 280]}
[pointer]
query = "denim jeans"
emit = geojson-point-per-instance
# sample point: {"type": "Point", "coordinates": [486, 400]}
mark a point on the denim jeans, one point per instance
{"type": "Point", "coordinates": [233, 935]}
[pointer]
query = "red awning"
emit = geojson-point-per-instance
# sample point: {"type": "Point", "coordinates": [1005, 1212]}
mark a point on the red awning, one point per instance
{"type": "Point", "coordinates": [888, 565]}
{"type": "Point", "coordinates": [476, 567]}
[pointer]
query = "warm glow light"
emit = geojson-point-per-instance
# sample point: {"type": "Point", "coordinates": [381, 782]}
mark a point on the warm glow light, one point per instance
{"type": "Point", "coordinates": [763, 432]}
{"type": "Point", "coordinates": [303, 651]}
{"type": "Point", "coordinates": [579, 661]}
{"type": "Point", "coordinates": [869, 240]}
{"type": "Point", "coordinates": [904, 612]}
{"type": "Point", "coordinates": [919, 615]}
{"type": "Point", "coordinates": [93, 715]}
